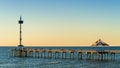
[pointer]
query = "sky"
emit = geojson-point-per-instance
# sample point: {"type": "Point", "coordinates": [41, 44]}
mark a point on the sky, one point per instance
{"type": "Point", "coordinates": [60, 22]}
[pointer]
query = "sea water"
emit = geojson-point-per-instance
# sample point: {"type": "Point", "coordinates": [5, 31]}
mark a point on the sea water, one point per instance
{"type": "Point", "coordinates": [34, 62]}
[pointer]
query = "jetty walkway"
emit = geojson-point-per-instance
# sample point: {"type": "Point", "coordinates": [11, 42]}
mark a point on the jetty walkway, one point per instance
{"type": "Point", "coordinates": [61, 53]}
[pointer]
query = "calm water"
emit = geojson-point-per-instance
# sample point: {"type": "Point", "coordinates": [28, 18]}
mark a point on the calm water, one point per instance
{"type": "Point", "coordinates": [32, 62]}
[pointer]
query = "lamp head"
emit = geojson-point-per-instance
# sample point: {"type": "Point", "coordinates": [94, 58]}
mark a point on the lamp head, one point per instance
{"type": "Point", "coordinates": [20, 21]}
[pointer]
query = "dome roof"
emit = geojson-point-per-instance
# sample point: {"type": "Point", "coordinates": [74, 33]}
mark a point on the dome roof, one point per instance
{"type": "Point", "coordinates": [100, 43]}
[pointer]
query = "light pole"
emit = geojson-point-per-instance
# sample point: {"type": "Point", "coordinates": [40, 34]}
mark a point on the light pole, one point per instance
{"type": "Point", "coordinates": [20, 22]}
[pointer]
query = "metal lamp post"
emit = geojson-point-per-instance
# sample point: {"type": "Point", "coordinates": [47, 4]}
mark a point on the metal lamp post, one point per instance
{"type": "Point", "coordinates": [20, 43]}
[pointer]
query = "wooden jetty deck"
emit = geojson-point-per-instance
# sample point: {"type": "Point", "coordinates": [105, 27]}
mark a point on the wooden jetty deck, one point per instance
{"type": "Point", "coordinates": [61, 53]}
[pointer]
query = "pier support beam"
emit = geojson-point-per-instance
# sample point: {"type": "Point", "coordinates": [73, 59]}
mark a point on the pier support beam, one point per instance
{"type": "Point", "coordinates": [88, 55]}
{"type": "Point", "coordinates": [55, 55]}
{"type": "Point", "coordinates": [49, 54]}
{"type": "Point", "coordinates": [63, 55]}
{"type": "Point", "coordinates": [71, 55]}
{"type": "Point", "coordinates": [79, 55]}
{"type": "Point", "coordinates": [112, 56]}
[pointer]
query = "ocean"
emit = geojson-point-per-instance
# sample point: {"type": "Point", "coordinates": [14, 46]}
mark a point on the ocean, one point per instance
{"type": "Point", "coordinates": [37, 62]}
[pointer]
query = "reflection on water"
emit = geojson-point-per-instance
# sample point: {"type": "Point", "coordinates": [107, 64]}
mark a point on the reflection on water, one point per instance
{"type": "Point", "coordinates": [31, 62]}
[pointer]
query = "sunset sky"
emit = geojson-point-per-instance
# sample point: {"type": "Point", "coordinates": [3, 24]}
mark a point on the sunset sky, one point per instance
{"type": "Point", "coordinates": [60, 22]}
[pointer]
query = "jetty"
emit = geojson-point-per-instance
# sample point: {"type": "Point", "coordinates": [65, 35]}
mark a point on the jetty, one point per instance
{"type": "Point", "coordinates": [64, 54]}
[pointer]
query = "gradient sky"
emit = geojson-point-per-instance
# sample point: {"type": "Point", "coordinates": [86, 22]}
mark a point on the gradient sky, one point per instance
{"type": "Point", "coordinates": [60, 22]}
